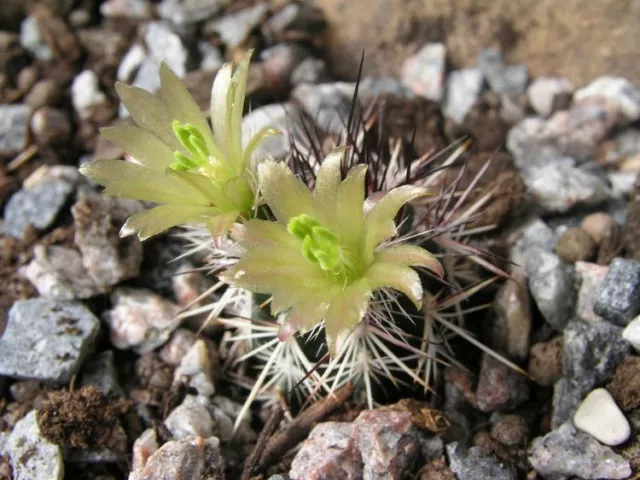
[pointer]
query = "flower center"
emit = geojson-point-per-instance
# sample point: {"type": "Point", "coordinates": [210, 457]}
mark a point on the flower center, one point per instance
{"type": "Point", "coordinates": [193, 142]}
{"type": "Point", "coordinates": [321, 246]}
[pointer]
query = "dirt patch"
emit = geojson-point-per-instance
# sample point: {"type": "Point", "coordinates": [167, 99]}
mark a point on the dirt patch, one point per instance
{"type": "Point", "coordinates": [578, 39]}
{"type": "Point", "coordinates": [625, 386]}
{"type": "Point", "coordinates": [84, 418]}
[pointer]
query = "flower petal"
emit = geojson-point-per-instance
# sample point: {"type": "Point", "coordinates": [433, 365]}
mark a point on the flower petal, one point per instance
{"type": "Point", "coordinates": [142, 145]}
{"type": "Point", "coordinates": [261, 233]}
{"type": "Point", "coordinates": [151, 222]}
{"type": "Point", "coordinates": [149, 112]}
{"type": "Point", "coordinates": [219, 92]}
{"type": "Point", "coordinates": [179, 101]}
{"type": "Point", "coordinates": [255, 141]}
{"type": "Point", "coordinates": [385, 210]}
{"type": "Point", "coordinates": [398, 277]}
{"type": "Point", "coordinates": [127, 179]}
{"type": "Point", "coordinates": [410, 256]}
{"type": "Point", "coordinates": [285, 194]}
{"type": "Point", "coordinates": [219, 225]}
{"type": "Point", "coordinates": [328, 178]}
{"type": "Point", "coordinates": [349, 204]}
{"type": "Point", "coordinates": [345, 312]}
{"type": "Point", "coordinates": [239, 83]}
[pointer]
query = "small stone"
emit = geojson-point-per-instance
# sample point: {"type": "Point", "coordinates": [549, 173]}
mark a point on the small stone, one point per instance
{"type": "Point", "coordinates": [499, 387]}
{"type": "Point", "coordinates": [140, 319]}
{"type": "Point", "coordinates": [47, 340]}
{"type": "Point", "coordinates": [27, 78]}
{"type": "Point", "coordinates": [32, 40]}
{"type": "Point", "coordinates": [436, 470]}
{"type": "Point", "coordinates": [234, 28]}
{"type": "Point", "coordinates": [38, 206]}
{"type": "Point", "coordinates": [600, 417]}
{"type": "Point", "coordinates": [50, 126]}
{"type": "Point", "coordinates": [130, 62]}
{"type": "Point", "coordinates": [45, 92]}
{"type": "Point", "coordinates": [511, 327]}
{"type": "Point", "coordinates": [510, 79]}
{"type": "Point", "coordinates": [618, 299]}
{"type": "Point", "coordinates": [135, 9]}
{"type": "Point", "coordinates": [190, 418]}
{"type": "Point", "coordinates": [86, 93]}
{"type": "Point", "coordinates": [625, 386]}
{"type": "Point", "coordinates": [631, 333]}
{"type": "Point", "coordinates": [194, 458]}
{"type": "Point", "coordinates": [475, 464]}
{"type": "Point", "coordinates": [58, 272]}
{"type": "Point", "coordinates": [183, 12]}
{"type": "Point", "coordinates": [622, 183]}
{"type": "Point", "coordinates": [532, 236]}
{"type": "Point", "coordinates": [32, 455]}
{"type": "Point", "coordinates": [278, 65]}
{"type": "Point", "coordinates": [511, 430]}
{"type": "Point", "coordinates": [25, 390]}
{"type": "Point", "coordinates": [618, 90]}
{"type": "Point", "coordinates": [567, 452]}
{"type": "Point", "coordinates": [211, 57]}
{"type": "Point", "coordinates": [277, 115]}
{"type": "Point", "coordinates": [599, 226]}
{"type": "Point", "coordinates": [388, 441]}
{"type": "Point", "coordinates": [590, 277]}
{"type": "Point", "coordinates": [542, 91]}
{"type": "Point", "coordinates": [551, 285]}
{"type": "Point", "coordinates": [310, 70]}
{"type": "Point", "coordinates": [328, 452]}
{"type": "Point", "coordinates": [592, 352]}
{"type": "Point", "coordinates": [166, 46]}
{"type": "Point", "coordinates": [225, 413]}
{"type": "Point", "coordinates": [144, 446]}
{"type": "Point", "coordinates": [14, 126]}
{"type": "Point", "coordinates": [107, 258]}
{"type": "Point", "coordinates": [559, 186]}
{"type": "Point", "coordinates": [198, 366]}
{"type": "Point", "coordinates": [100, 371]}
{"type": "Point", "coordinates": [545, 362]}
{"type": "Point", "coordinates": [463, 91]}
{"type": "Point", "coordinates": [177, 347]}
{"type": "Point", "coordinates": [325, 103]}
{"type": "Point", "coordinates": [575, 245]}
{"type": "Point", "coordinates": [424, 73]}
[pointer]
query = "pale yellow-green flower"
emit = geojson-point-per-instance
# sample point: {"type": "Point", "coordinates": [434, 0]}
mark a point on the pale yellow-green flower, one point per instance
{"type": "Point", "coordinates": [324, 257]}
{"type": "Point", "coordinates": [198, 174]}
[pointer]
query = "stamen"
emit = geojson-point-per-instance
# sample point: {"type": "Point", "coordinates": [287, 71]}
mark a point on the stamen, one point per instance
{"type": "Point", "coordinates": [193, 142]}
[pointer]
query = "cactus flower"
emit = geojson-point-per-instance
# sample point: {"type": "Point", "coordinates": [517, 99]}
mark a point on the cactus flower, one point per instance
{"type": "Point", "coordinates": [323, 257]}
{"type": "Point", "coordinates": [197, 173]}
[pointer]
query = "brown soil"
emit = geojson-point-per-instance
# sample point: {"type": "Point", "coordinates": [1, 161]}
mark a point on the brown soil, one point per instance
{"type": "Point", "coordinates": [580, 39]}
{"type": "Point", "coordinates": [625, 386]}
{"type": "Point", "coordinates": [84, 418]}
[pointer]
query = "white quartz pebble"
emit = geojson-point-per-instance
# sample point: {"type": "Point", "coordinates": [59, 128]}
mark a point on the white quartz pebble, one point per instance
{"type": "Point", "coordinates": [631, 333]}
{"type": "Point", "coordinates": [600, 417]}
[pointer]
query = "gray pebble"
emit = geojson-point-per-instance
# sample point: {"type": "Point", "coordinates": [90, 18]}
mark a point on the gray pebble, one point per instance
{"type": "Point", "coordinates": [463, 91]}
{"type": "Point", "coordinates": [47, 340]}
{"type": "Point", "coordinates": [424, 73]}
{"type": "Point", "coordinates": [32, 41]}
{"type": "Point", "coordinates": [234, 28]}
{"type": "Point", "coordinates": [474, 464]}
{"type": "Point", "coordinates": [509, 79]}
{"type": "Point", "coordinates": [32, 455]}
{"type": "Point", "coordinates": [551, 285]}
{"type": "Point", "coordinates": [567, 452]}
{"type": "Point", "coordinates": [618, 299]}
{"type": "Point", "coordinates": [14, 125]}
{"type": "Point", "coordinates": [166, 45]}
{"type": "Point", "coordinates": [37, 206]}
{"type": "Point", "coordinates": [190, 418]}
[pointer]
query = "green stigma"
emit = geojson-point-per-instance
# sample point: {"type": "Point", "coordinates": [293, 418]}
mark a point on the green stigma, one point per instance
{"type": "Point", "coordinates": [193, 142]}
{"type": "Point", "coordinates": [319, 245]}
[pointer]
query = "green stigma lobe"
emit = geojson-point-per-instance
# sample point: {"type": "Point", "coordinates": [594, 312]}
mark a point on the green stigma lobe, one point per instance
{"type": "Point", "coordinates": [194, 144]}
{"type": "Point", "coordinates": [319, 245]}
